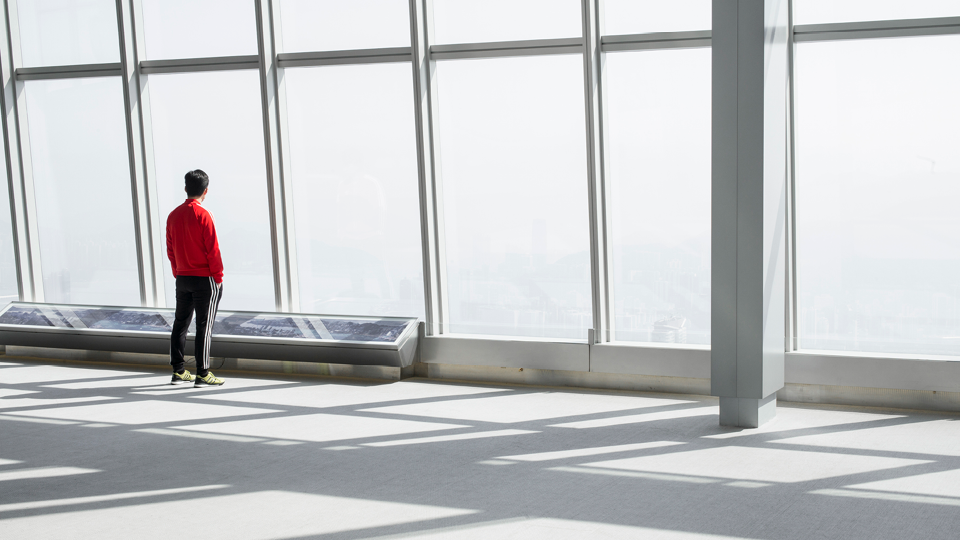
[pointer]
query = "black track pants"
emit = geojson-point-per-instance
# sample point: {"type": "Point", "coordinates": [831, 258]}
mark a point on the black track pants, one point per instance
{"type": "Point", "coordinates": [200, 294]}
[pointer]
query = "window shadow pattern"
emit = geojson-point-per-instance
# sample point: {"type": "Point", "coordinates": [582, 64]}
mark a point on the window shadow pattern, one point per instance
{"type": "Point", "coordinates": [84, 448]}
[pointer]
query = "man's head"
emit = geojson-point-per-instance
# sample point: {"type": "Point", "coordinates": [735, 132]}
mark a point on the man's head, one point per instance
{"type": "Point", "coordinates": [196, 183]}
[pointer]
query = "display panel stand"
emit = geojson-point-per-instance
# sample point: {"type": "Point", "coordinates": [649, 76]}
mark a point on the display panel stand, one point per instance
{"type": "Point", "coordinates": [332, 339]}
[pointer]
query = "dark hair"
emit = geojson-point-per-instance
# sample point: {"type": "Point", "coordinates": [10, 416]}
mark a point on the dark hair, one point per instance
{"type": "Point", "coordinates": [196, 182]}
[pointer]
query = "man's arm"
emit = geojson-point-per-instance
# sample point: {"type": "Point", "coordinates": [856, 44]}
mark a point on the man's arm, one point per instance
{"type": "Point", "coordinates": [212, 246]}
{"type": "Point", "coordinates": [170, 252]}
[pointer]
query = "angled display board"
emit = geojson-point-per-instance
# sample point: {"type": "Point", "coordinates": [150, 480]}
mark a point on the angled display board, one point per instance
{"type": "Point", "coordinates": [382, 341]}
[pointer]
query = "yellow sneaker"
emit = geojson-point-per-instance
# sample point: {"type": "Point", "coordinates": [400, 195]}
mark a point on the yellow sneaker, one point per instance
{"type": "Point", "coordinates": [209, 380]}
{"type": "Point", "coordinates": [180, 378]}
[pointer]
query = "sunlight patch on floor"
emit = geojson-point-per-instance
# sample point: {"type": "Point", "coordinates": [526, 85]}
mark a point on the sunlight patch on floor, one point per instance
{"type": "Point", "coordinates": [262, 515]}
{"type": "Point", "coordinates": [342, 395]}
{"type": "Point", "coordinates": [640, 418]}
{"type": "Point", "coordinates": [40, 374]}
{"type": "Point", "coordinates": [593, 451]}
{"type": "Point", "coordinates": [73, 501]}
{"type": "Point", "coordinates": [757, 464]}
{"type": "Point", "coordinates": [42, 472]}
{"type": "Point", "coordinates": [526, 407]}
{"type": "Point", "coordinates": [143, 412]}
{"type": "Point", "coordinates": [555, 529]}
{"type": "Point", "coordinates": [935, 437]}
{"type": "Point", "coordinates": [320, 427]}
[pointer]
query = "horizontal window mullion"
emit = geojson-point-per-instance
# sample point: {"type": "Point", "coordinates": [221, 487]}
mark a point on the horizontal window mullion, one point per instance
{"type": "Point", "coordinates": [656, 45]}
{"type": "Point", "coordinates": [505, 53]}
{"type": "Point", "coordinates": [507, 48]}
{"type": "Point", "coordinates": [656, 40]}
{"type": "Point", "coordinates": [877, 29]}
{"type": "Point", "coordinates": [360, 56]}
{"type": "Point", "coordinates": [68, 72]}
{"type": "Point", "coordinates": [656, 37]}
{"type": "Point", "coordinates": [200, 64]}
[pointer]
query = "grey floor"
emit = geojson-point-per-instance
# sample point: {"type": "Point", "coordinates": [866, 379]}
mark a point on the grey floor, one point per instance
{"type": "Point", "coordinates": [101, 452]}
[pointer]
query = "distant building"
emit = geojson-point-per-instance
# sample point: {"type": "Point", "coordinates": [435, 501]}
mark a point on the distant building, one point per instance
{"type": "Point", "coordinates": [670, 330]}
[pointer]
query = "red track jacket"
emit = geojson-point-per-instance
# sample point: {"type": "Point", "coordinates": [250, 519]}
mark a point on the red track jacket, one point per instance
{"type": "Point", "coordinates": [192, 242]}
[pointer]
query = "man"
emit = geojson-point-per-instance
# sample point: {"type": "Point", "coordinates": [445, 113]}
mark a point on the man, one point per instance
{"type": "Point", "coordinates": [195, 257]}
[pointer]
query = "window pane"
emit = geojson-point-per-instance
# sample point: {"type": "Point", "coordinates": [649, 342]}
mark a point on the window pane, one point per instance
{"type": "Point", "coordinates": [332, 25]}
{"type": "Point", "coordinates": [463, 21]}
{"type": "Point", "coordinates": [657, 113]}
{"type": "Point", "coordinates": [9, 290]}
{"type": "Point", "coordinates": [354, 164]}
{"type": "Point", "coordinates": [81, 173]}
{"type": "Point", "coordinates": [65, 32]}
{"type": "Point", "coordinates": [512, 150]}
{"type": "Point", "coordinates": [199, 28]}
{"type": "Point", "coordinates": [831, 11]}
{"type": "Point", "coordinates": [878, 187]}
{"type": "Point", "coordinates": [645, 16]}
{"type": "Point", "coordinates": [213, 121]}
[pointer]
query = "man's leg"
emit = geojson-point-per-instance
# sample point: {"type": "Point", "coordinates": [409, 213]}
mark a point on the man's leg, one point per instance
{"type": "Point", "coordinates": [181, 323]}
{"type": "Point", "coordinates": [207, 300]}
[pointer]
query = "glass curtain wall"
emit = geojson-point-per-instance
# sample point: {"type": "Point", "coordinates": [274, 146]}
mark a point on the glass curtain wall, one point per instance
{"type": "Point", "coordinates": [658, 173]}
{"type": "Point", "coordinates": [353, 161]}
{"type": "Point", "coordinates": [335, 25]}
{"type": "Point", "coordinates": [457, 21]}
{"type": "Point", "coordinates": [78, 154]}
{"type": "Point", "coordinates": [213, 122]}
{"type": "Point", "coordinates": [68, 32]}
{"type": "Point", "coordinates": [657, 121]}
{"type": "Point", "coordinates": [81, 179]}
{"type": "Point", "coordinates": [622, 17]}
{"type": "Point", "coordinates": [837, 11]}
{"type": "Point", "coordinates": [513, 159]}
{"type": "Point", "coordinates": [198, 28]}
{"type": "Point", "coordinates": [875, 161]}
{"type": "Point", "coordinates": [878, 187]}
{"type": "Point", "coordinates": [354, 164]}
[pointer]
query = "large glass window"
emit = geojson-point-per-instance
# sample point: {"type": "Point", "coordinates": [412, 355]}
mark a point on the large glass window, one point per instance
{"type": "Point", "coordinates": [81, 175]}
{"type": "Point", "coordinates": [332, 25]}
{"type": "Point", "coordinates": [878, 187]}
{"type": "Point", "coordinates": [836, 11]}
{"type": "Point", "coordinates": [66, 32]}
{"type": "Point", "coordinates": [657, 115]}
{"type": "Point", "coordinates": [512, 157]}
{"type": "Point", "coordinates": [199, 28]}
{"type": "Point", "coordinates": [354, 166]}
{"type": "Point", "coordinates": [213, 121]}
{"type": "Point", "coordinates": [458, 21]}
{"type": "Point", "coordinates": [645, 16]}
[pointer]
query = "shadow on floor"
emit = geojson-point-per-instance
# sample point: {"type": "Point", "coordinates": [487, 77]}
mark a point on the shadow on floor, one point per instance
{"type": "Point", "coordinates": [89, 451]}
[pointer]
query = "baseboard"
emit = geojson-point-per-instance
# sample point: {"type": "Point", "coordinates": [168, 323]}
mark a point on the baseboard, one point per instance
{"type": "Point", "coordinates": [925, 400]}
{"type": "Point", "coordinates": [564, 378]}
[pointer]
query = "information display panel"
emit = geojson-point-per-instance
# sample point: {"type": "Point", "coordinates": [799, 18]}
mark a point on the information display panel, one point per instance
{"type": "Point", "coordinates": [236, 334]}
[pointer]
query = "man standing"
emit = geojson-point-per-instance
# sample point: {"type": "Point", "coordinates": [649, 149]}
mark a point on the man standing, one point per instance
{"type": "Point", "coordinates": [195, 257]}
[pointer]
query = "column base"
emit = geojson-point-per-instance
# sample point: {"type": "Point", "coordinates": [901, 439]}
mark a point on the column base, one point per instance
{"type": "Point", "coordinates": [747, 412]}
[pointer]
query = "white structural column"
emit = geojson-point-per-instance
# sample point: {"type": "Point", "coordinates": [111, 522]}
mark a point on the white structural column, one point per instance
{"type": "Point", "coordinates": [748, 208]}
